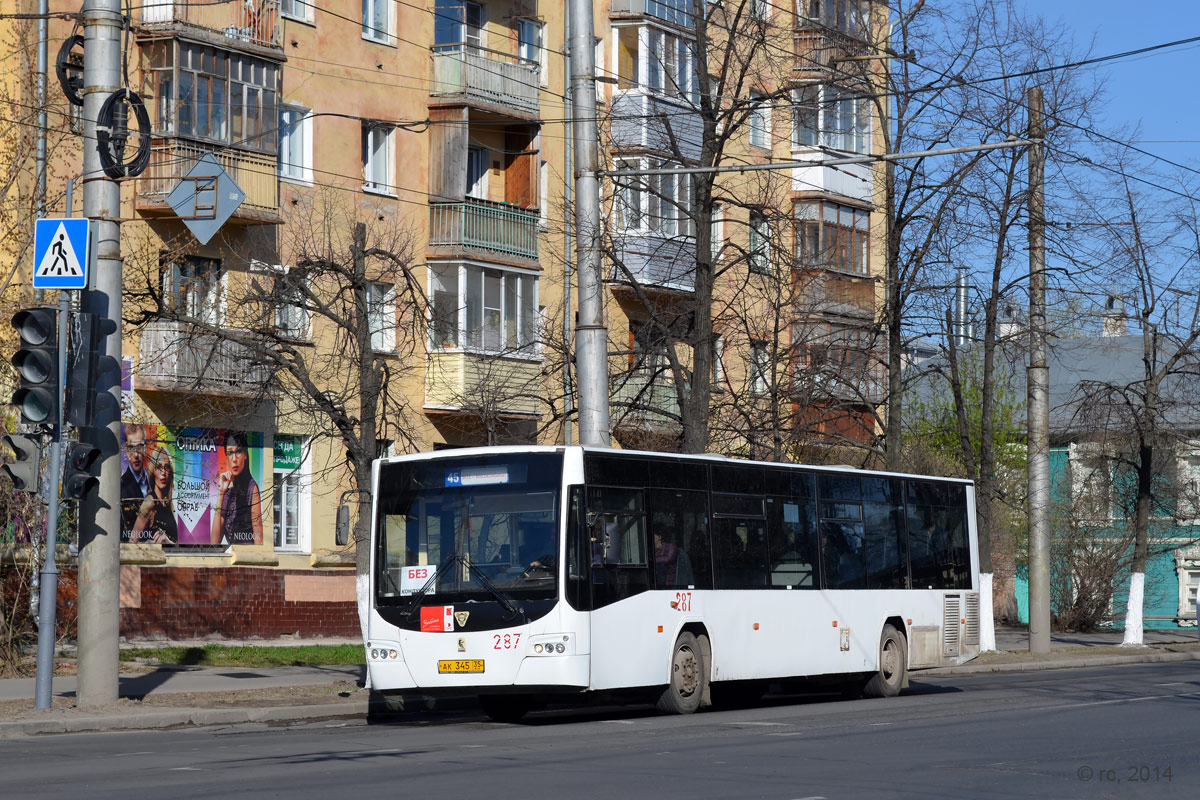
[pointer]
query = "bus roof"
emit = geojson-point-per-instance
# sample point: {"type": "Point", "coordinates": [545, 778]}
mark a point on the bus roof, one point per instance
{"type": "Point", "coordinates": [711, 458]}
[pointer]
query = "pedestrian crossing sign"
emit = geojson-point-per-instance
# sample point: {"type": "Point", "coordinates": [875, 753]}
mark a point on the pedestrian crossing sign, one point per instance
{"type": "Point", "coordinates": [60, 253]}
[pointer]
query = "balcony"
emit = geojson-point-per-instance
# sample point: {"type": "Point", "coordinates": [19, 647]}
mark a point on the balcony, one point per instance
{"type": "Point", "coordinates": [642, 121]}
{"type": "Point", "coordinates": [667, 262]}
{"type": "Point", "coordinates": [643, 398]}
{"type": "Point", "coordinates": [172, 358]}
{"type": "Point", "coordinates": [256, 174]}
{"type": "Point", "coordinates": [460, 381]}
{"type": "Point", "coordinates": [252, 22]}
{"type": "Point", "coordinates": [676, 12]}
{"type": "Point", "coordinates": [499, 228]}
{"type": "Point", "coordinates": [488, 78]}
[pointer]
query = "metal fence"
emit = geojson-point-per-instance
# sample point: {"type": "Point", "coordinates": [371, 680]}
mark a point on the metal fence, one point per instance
{"type": "Point", "coordinates": [251, 21]}
{"type": "Point", "coordinates": [500, 227]}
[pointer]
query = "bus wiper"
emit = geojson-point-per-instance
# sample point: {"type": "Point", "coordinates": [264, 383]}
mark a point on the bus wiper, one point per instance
{"type": "Point", "coordinates": [491, 587]}
{"type": "Point", "coordinates": [415, 602]}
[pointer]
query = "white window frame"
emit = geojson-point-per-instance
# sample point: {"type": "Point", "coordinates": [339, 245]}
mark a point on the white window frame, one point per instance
{"type": "Point", "coordinates": [836, 117]}
{"type": "Point", "coordinates": [759, 367]}
{"type": "Point", "coordinates": [477, 162]}
{"type": "Point", "coordinates": [377, 178]}
{"type": "Point", "coordinates": [1187, 567]}
{"type": "Point", "coordinates": [544, 195]}
{"type": "Point", "coordinates": [653, 204]}
{"type": "Point", "coordinates": [760, 10]}
{"type": "Point", "coordinates": [533, 50]}
{"type": "Point", "coordinates": [518, 316]}
{"type": "Point", "coordinates": [1084, 476]}
{"type": "Point", "coordinates": [759, 121]}
{"type": "Point", "coordinates": [203, 301]}
{"type": "Point", "coordinates": [381, 316]}
{"type": "Point", "coordinates": [758, 243]}
{"type": "Point", "coordinates": [292, 321]}
{"type": "Point", "coordinates": [296, 142]}
{"type": "Point", "coordinates": [299, 10]}
{"type": "Point", "coordinates": [300, 480]}
{"type": "Point", "coordinates": [718, 365]}
{"type": "Point", "coordinates": [370, 14]}
{"type": "Point", "coordinates": [717, 238]}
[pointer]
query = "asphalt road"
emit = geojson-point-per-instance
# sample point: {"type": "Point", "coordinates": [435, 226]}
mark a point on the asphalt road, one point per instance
{"type": "Point", "coordinates": [1122, 732]}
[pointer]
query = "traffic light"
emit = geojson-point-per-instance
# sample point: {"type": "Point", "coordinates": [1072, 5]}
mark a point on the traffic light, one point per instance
{"type": "Point", "coordinates": [78, 479]}
{"type": "Point", "coordinates": [85, 339]}
{"type": "Point", "coordinates": [37, 363]}
{"type": "Point", "coordinates": [25, 468]}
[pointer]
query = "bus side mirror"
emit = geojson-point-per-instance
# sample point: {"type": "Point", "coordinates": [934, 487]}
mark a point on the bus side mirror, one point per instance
{"type": "Point", "coordinates": [342, 531]}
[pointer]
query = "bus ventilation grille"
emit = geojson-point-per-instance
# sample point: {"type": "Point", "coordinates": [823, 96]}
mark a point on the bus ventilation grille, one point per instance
{"type": "Point", "coordinates": [950, 627]}
{"type": "Point", "coordinates": [971, 636]}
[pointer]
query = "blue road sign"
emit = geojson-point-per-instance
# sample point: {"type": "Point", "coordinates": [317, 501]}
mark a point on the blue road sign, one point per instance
{"type": "Point", "coordinates": [60, 253]}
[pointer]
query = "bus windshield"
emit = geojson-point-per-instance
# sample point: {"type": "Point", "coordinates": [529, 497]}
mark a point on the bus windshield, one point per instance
{"type": "Point", "coordinates": [468, 529]}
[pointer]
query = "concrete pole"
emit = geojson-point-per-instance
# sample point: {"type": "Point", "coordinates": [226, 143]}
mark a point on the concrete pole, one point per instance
{"type": "Point", "coordinates": [591, 334]}
{"type": "Point", "coordinates": [1038, 382]}
{"type": "Point", "coordinates": [100, 514]}
{"type": "Point", "coordinates": [39, 194]}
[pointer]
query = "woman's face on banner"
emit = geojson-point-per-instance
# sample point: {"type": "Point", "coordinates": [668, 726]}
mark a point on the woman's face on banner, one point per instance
{"type": "Point", "coordinates": [236, 455]}
{"type": "Point", "coordinates": [162, 470]}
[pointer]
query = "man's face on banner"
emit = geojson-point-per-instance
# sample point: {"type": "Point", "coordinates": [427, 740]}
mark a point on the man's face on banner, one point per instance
{"type": "Point", "coordinates": [135, 448]}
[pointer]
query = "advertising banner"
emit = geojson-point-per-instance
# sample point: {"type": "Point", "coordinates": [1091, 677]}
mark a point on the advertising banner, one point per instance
{"type": "Point", "coordinates": [191, 486]}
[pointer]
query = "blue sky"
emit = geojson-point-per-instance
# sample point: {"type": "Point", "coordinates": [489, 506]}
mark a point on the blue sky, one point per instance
{"type": "Point", "coordinates": [1157, 89]}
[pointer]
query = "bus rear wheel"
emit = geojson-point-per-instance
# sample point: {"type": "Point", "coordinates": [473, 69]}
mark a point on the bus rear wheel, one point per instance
{"type": "Point", "coordinates": [504, 707]}
{"type": "Point", "coordinates": [893, 665]}
{"type": "Point", "coordinates": [686, 689]}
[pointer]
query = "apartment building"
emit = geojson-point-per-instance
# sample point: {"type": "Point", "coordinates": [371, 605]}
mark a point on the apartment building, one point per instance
{"type": "Point", "coordinates": [405, 165]}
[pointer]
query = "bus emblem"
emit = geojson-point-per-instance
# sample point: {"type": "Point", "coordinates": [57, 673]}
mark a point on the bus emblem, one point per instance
{"type": "Point", "coordinates": [461, 618]}
{"type": "Point", "coordinates": [462, 645]}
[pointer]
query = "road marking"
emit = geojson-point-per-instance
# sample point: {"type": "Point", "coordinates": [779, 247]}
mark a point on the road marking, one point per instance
{"type": "Point", "coordinates": [138, 753]}
{"type": "Point", "coordinates": [755, 724]}
{"type": "Point", "coordinates": [474, 745]}
{"type": "Point", "coordinates": [185, 769]}
{"type": "Point", "coordinates": [879, 724]}
{"type": "Point", "coordinates": [1120, 700]}
{"type": "Point", "coordinates": [795, 733]}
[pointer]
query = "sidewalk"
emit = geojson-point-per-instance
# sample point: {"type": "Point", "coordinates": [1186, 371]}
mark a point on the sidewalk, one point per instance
{"type": "Point", "coordinates": [176, 696]}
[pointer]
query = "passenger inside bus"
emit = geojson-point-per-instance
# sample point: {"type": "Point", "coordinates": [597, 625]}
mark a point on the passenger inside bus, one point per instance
{"type": "Point", "coordinates": [537, 549]}
{"type": "Point", "coordinates": [672, 566]}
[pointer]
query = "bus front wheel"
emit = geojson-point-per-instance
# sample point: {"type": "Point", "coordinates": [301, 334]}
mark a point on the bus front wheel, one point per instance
{"type": "Point", "coordinates": [686, 689]}
{"type": "Point", "coordinates": [893, 665]}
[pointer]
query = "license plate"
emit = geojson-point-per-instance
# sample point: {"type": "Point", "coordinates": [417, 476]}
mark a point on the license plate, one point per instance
{"type": "Point", "coordinates": [461, 665]}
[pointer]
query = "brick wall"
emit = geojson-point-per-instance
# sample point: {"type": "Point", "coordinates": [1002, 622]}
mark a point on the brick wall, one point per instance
{"type": "Point", "coordinates": [235, 602]}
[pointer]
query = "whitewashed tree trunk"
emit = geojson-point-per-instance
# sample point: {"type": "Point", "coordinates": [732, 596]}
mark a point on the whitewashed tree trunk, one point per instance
{"type": "Point", "coordinates": [1133, 611]}
{"type": "Point", "coordinates": [362, 590]}
{"type": "Point", "coordinates": [987, 622]}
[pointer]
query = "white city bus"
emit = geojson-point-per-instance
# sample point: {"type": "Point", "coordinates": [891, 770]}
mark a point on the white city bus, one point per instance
{"type": "Point", "coordinates": [519, 573]}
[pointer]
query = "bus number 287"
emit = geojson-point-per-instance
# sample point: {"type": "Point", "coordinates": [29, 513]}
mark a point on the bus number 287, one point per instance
{"type": "Point", "coordinates": [682, 602]}
{"type": "Point", "coordinates": [506, 642]}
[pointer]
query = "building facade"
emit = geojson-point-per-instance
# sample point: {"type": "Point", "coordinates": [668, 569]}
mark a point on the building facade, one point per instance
{"type": "Point", "coordinates": [399, 273]}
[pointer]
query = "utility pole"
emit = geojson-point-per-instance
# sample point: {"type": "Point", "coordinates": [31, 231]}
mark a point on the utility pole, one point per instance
{"type": "Point", "coordinates": [1038, 383]}
{"type": "Point", "coordinates": [591, 334]}
{"type": "Point", "coordinates": [100, 513]}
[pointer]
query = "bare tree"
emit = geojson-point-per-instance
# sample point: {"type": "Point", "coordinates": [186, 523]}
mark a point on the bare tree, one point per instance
{"type": "Point", "coordinates": [325, 323]}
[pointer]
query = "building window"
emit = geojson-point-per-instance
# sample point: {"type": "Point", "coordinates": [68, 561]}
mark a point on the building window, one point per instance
{"type": "Point", "coordinates": [718, 365]}
{"type": "Point", "coordinates": [295, 144]}
{"type": "Point", "coordinates": [760, 120]}
{"type": "Point", "coordinates": [292, 318]}
{"type": "Point", "coordinates": [296, 9]}
{"type": "Point", "coordinates": [656, 60]}
{"type": "Point", "coordinates": [1189, 581]}
{"type": "Point", "coordinates": [377, 21]}
{"type": "Point", "coordinates": [291, 497]}
{"type": "Point", "coordinates": [457, 24]}
{"type": "Point", "coordinates": [832, 236]}
{"type": "Point", "coordinates": [851, 17]}
{"type": "Point", "coordinates": [760, 367]}
{"type": "Point", "coordinates": [482, 309]}
{"type": "Point", "coordinates": [660, 204]}
{"type": "Point", "coordinates": [544, 195]}
{"type": "Point", "coordinates": [839, 361]}
{"type": "Point", "coordinates": [193, 288]}
{"type": "Point", "coordinates": [381, 316]}
{"type": "Point", "coordinates": [833, 117]}
{"type": "Point", "coordinates": [529, 42]}
{"type": "Point", "coordinates": [760, 9]}
{"type": "Point", "coordinates": [760, 243]}
{"type": "Point", "coordinates": [477, 173]}
{"type": "Point", "coordinates": [717, 228]}
{"type": "Point", "coordinates": [212, 94]}
{"type": "Point", "coordinates": [377, 158]}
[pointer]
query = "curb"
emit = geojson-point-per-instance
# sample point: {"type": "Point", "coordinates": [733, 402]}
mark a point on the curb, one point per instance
{"type": "Point", "coordinates": [180, 717]}
{"type": "Point", "coordinates": [1061, 663]}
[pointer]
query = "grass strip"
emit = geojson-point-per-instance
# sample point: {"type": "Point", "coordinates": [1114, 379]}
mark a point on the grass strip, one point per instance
{"type": "Point", "coordinates": [216, 655]}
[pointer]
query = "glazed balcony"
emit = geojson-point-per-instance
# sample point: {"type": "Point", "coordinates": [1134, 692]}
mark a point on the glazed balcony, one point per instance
{"type": "Point", "coordinates": [474, 224]}
{"type": "Point", "coordinates": [644, 121]}
{"type": "Point", "coordinates": [460, 380]}
{"type": "Point", "coordinates": [676, 12]}
{"type": "Point", "coordinates": [643, 397]}
{"type": "Point", "coordinates": [485, 78]}
{"type": "Point", "coordinates": [256, 174]}
{"type": "Point", "coordinates": [651, 259]}
{"type": "Point", "coordinates": [254, 23]}
{"type": "Point", "coordinates": [173, 358]}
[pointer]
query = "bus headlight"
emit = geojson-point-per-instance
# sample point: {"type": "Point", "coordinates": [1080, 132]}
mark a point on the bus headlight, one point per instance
{"type": "Point", "coordinates": [554, 644]}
